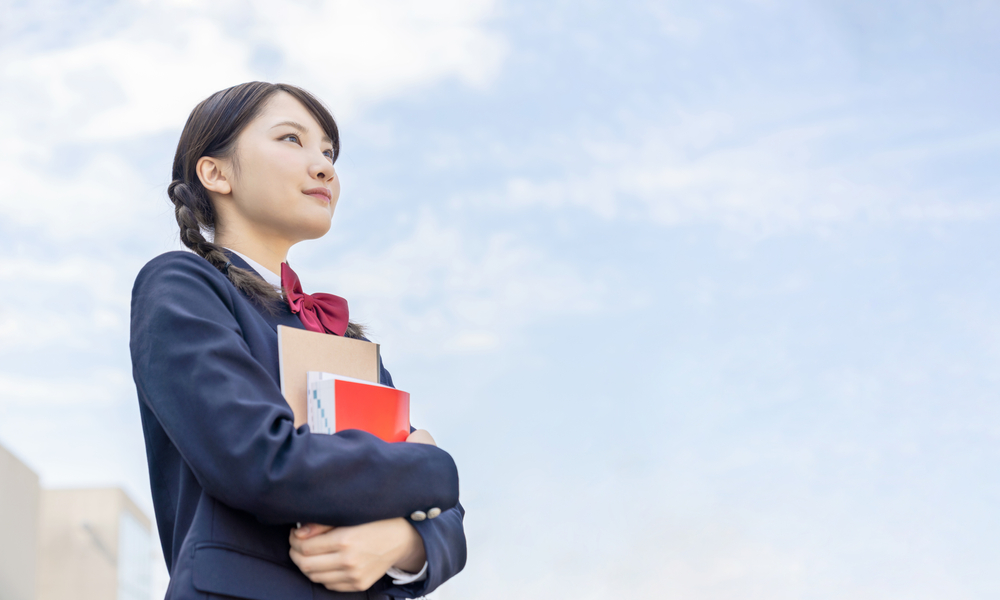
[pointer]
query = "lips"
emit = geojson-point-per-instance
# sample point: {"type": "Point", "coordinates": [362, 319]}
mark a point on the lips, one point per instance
{"type": "Point", "coordinates": [320, 193]}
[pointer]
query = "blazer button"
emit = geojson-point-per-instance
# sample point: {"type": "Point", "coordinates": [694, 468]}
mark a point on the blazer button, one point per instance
{"type": "Point", "coordinates": [418, 515]}
{"type": "Point", "coordinates": [433, 512]}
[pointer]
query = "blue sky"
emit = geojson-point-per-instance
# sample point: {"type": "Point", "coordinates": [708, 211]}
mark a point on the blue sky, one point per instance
{"type": "Point", "coordinates": [702, 297]}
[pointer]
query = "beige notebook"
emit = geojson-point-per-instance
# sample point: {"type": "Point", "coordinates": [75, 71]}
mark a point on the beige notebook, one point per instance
{"type": "Point", "coordinates": [301, 351]}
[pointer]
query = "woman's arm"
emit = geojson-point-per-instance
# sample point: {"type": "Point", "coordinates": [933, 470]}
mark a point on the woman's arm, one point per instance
{"type": "Point", "coordinates": [352, 559]}
{"type": "Point", "coordinates": [224, 412]}
{"type": "Point", "coordinates": [347, 559]}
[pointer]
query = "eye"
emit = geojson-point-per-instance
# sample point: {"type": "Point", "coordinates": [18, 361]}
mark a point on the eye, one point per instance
{"type": "Point", "coordinates": [328, 154]}
{"type": "Point", "coordinates": [293, 138]}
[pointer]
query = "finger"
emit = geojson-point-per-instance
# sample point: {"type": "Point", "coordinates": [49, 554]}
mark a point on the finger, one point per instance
{"type": "Point", "coordinates": [295, 541]}
{"type": "Point", "coordinates": [328, 540]}
{"type": "Point", "coordinates": [348, 586]}
{"type": "Point", "coordinates": [324, 543]}
{"type": "Point", "coordinates": [318, 567]}
{"type": "Point", "coordinates": [347, 582]}
{"type": "Point", "coordinates": [421, 436]}
{"type": "Point", "coordinates": [332, 573]}
{"type": "Point", "coordinates": [310, 530]}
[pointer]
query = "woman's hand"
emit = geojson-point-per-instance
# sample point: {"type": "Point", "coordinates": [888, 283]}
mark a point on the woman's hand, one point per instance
{"type": "Point", "coordinates": [352, 559]}
{"type": "Point", "coordinates": [421, 436]}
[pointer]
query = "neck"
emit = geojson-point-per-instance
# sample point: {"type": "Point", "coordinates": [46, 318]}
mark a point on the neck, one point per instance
{"type": "Point", "coordinates": [268, 252]}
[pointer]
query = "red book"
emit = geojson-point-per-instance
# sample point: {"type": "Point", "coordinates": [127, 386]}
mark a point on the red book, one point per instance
{"type": "Point", "coordinates": [337, 403]}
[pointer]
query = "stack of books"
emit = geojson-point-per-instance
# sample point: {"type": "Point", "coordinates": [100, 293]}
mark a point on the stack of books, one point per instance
{"type": "Point", "coordinates": [331, 384]}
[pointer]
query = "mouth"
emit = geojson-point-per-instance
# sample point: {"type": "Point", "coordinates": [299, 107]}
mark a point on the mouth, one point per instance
{"type": "Point", "coordinates": [320, 193]}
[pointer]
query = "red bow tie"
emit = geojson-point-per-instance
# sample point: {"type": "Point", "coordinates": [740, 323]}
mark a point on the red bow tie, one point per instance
{"type": "Point", "coordinates": [323, 313]}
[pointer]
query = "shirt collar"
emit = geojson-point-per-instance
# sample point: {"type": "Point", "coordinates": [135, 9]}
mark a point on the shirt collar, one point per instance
{"type": "Point", "coordinates": [266, 274]}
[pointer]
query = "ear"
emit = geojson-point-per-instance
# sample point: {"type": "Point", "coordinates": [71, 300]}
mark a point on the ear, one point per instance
{"type": "Point", "coordinates": [212, 173]}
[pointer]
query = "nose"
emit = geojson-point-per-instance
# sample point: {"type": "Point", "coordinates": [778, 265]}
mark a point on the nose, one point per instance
{"type": "Point", "coordinates": [322, 169]}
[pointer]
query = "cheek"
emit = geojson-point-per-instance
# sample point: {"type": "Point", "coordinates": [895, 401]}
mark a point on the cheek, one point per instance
{"type": "Point", "coordinates": [262, 199]}
{"type": "Point", "coordinates": [260, 177]}
{"type": "Point", "coordinates": [335, 189]}
{"type": "Point", "coordinates": [273, 191]}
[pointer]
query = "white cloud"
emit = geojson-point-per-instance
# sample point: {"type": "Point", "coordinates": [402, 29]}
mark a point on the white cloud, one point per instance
{"type": "Point", "coordinates": [101, 198]}
{"type": "Point", "coordinates": [442, 289]}
{"type": "Point", "coordinates": [166, 57]}
{"type": "Point", "coordinates": [148, 76]}
{"type": "Point", "coordinates": [102, 387]}
{"type": "Point", "coordinates": [723, 167]}
{"type": "Point", "coordinates": [72, 303]}
{"type": "Point", "coordinates": [145, 79]}
{"type": "Point", "coordinates": [775, 181]}
{"type": "Point", "coordinates": [354, 53]}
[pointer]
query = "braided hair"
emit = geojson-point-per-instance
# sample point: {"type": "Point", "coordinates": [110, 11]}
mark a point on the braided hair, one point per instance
{"type": "Point", "coordinates": [211, 130]}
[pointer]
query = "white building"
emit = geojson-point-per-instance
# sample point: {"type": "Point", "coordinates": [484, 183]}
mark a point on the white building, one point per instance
{"type": "Point", "coordinates": [93, 545]}
{"type": "Point", "coordinates": [89, 544]}
{"type": "Point", "coordinates": [19, 500]}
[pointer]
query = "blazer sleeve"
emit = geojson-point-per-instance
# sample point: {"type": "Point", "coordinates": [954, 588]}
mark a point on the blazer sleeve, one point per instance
{"type": "Point", "coordinates": [227, 418]}
{"type": "Point", "coordinates": [444, 545]}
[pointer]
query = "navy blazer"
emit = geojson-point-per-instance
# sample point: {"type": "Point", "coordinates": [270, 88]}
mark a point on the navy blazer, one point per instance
{"type": "Point", "coordinates": [229, 472]}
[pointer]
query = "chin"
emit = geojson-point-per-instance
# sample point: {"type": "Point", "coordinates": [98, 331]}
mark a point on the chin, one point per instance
{"type": "Point", "coordinates": [315, 228]}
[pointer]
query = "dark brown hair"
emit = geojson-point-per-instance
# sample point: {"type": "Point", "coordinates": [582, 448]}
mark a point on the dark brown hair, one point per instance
{"type": "Point", "coordinates": [211, 130]}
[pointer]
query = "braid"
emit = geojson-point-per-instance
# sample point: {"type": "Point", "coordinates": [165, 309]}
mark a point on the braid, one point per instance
{"type": "Point", "coordinates": [193, 212]}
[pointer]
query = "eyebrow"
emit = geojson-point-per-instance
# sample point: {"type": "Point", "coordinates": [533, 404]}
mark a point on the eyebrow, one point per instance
{"type": "Point", "coordinates": [301, 128]}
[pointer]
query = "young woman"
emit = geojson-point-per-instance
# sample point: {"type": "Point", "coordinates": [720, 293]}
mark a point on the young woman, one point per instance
{"type": "Point", "coordinates": [230, 474]}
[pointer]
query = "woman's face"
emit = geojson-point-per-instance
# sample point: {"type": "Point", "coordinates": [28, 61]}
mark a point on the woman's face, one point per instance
{"type": "Point", "coordinates": [283, 181]}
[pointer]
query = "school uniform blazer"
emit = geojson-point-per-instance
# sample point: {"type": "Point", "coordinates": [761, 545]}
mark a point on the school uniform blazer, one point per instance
{"type": "Point", "coordinates": [229, 472]}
